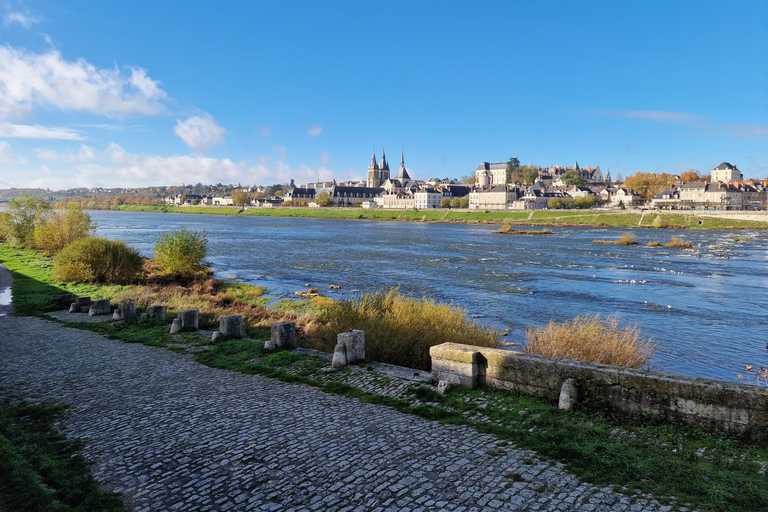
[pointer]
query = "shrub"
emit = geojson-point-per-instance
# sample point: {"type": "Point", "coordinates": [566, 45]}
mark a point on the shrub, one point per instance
{"type": "Point", "coordinates": [182, 253]}
{"type": "Point", "coordinates": [589, 338]}
{"type": "Point", "coordinates": [57, 228]}
{"type": "Point", "coordinates": [399, 329]}
{"type": "Point", "coordinates": [97, 260]}
{"type": "Point", "coordinates": [677, 242]}
{"type": "Point", "coordinates": [657, 222]}
{"type": "Point", "coordinates": [324, 199]}
{"type": "Point", "coordinates": [18, 223]}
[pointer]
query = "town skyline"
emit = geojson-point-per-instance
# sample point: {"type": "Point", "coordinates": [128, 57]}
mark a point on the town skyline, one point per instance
{"type": "Point", "coordinates": [146, 95]}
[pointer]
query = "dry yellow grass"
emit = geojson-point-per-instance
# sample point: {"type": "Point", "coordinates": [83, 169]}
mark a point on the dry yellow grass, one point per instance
{"type": "Point", "coordinates": [592, 339]}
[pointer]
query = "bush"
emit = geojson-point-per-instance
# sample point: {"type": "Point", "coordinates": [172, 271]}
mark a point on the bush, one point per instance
{"type": "Point", "coordinates": [588, 338]}
{"type": "Point", "coordinates": [18, 223]}
{"type": "Point", "coordinates": [182, 253]}
{"type": "Point", "coordinates": [399, 329]}
{"type": "Point", "coordinates": [97, 260]}
{"type": "Point", "coordinates": [58, 228]}
{"type": "Point", "coordinates": [324, 199]}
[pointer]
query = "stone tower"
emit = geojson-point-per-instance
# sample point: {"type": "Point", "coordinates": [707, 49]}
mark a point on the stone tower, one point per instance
{"type": "Point", "coordinates": [377, 174]}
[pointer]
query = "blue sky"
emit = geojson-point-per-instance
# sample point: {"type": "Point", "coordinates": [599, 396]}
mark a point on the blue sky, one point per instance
{"type": "Point", "coordinates": [112, 94]}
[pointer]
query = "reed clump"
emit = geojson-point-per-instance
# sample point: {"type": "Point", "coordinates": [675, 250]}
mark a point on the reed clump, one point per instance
{"type": "Point", "coordinates": [592, 339]}
{"type": "Point", "coordinates": [626, 239]}
{"type": "Point", "coordinates": [399, 329]}
{"type": "Point", "coordinates": [677, 242]}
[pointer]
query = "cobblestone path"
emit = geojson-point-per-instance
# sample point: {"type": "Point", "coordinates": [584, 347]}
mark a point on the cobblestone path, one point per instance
{"type": "Point", "coordinates": [171, 434]}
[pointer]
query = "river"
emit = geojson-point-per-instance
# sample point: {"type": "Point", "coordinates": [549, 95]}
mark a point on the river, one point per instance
{"type": "Point", "coordinates": [706, 310]}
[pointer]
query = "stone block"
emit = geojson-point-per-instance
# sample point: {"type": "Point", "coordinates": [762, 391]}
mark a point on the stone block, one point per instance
{"type": "Point", "coordinates": [116, 315]}
{"type": "Point", "coordinates": [569, 395]}
{"type": "Point", "coordinates": [73, 308]}
{"type": "Point", "coordinates": [127, 310]}
{"type": "Point", "coordinates": [101, 307]}
{"type": "Point", "coordinates": [176, 326]}
{"type": "Point", "coordinates": [189, 319]}
{"type": "Point", "coordinates": [354, 345]}
{"type": "Point", "coordinates": [231, 326]}
{"type": "Point", "coordinates": [82, 302]}
{"type": "Point", "coordinates": [85, 309]}
{"type": "Point", "coordinates": [156, 312]}
{"type": "Point", "coordinates": [443, 387]}
{"type": "Point", "coordinates": [284, 335]}
{"type": "Point", "coordinates": [339, 356]}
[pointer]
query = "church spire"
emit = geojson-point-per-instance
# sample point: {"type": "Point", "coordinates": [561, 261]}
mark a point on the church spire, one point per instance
{"type": "Point", "coordinates": [373, 165]}
{"type": "Point", "coordinates": [384, 164]}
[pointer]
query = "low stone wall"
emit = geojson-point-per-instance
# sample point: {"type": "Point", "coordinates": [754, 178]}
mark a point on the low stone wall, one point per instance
{"type": "Point", "coordinates": [707, 404]}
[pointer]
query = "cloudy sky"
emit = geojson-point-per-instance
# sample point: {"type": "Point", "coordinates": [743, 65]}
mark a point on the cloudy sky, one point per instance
{"type": "Point", "coordinates": [163, 93]}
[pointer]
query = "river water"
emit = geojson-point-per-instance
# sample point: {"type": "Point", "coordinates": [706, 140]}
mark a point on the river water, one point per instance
{"type": "Point", "coordinates": [706, 310]}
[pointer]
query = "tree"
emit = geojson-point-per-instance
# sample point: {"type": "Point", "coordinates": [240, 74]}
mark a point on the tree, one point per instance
{"type": "Point", "coordinates": [690, 175]}
{"type": "Point", "coordinates": [18, 223]}
{"type": "Point", "coordinates": [572, 178]}
{"type": "Point", "coordinates": [648, 184]}
{"type": "Point", "coordinates": [555, 203]}
{"type": "Point", "coordinates": [278, 193]}
{"type": "Point", "coordinates": [445, 202]}
{"type": "Point", "coordinates": [514, 172]}
{"type": "Point", "coordinates": [530, 173]}
{"type": "Point", "coordinates": [469, 180]}
{"type": "Point", "coordinates": [455, 202]}
{"type": "Point", "coordinates": [585, 202]}
{"type": "Point", "coordinates": [464, 202]}
{"type": "Point", "coordinates": [324, 199]}
{"type": "Point", "coordinates": [240, 197]}
{"type": "Point", "coordinates": [181, 253]}
{"type": "Point", "coordinates": [55, 229]}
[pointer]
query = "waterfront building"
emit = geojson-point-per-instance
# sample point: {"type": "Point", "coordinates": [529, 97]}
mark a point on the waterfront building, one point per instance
{"type": "Point", "coordinates": [726, 172]}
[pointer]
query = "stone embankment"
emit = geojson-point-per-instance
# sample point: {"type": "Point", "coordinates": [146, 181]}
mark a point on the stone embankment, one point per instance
{"type": "Point", "coordinates": [171, 434]}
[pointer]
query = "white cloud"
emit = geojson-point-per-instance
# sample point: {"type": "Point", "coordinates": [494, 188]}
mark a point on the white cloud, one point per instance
{"type": "Point", "coordinates": [85, 154]}
{"type": "Point", "coordinates": [23, 19]}
{"type": "Point", "coordinates": [281, 151]}
{"type": "Point", "coordinates": [7, 156]}
{"type": "Point", "coordinates": [29, 80]}
{"type": "Point", "coordinates": [265, 131]}
{"type": "Point", "coordinates": [314, 131]}
{"type": "Point", "coordinates": [34, 131]}
{"type": "Point", "coordinates": [200, 133]}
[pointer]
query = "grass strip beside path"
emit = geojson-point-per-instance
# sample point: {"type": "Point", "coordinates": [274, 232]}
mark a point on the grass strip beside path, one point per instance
{"type": "Point", "coordinates": [41, 470]}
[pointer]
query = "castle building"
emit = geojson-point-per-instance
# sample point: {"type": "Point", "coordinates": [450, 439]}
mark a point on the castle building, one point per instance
{"type": "Point", "coordinates": [726, 172]}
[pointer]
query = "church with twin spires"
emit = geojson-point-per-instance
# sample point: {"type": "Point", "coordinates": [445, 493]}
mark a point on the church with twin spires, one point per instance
{"type": "Point", "coordinates": [378, 173]}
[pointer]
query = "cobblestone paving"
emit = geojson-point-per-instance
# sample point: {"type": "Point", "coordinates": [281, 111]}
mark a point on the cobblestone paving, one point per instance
{"type": "Point", "coordinates": [171, 434]}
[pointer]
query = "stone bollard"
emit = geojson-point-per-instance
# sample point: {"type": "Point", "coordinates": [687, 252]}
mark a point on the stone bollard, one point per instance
{"type": "Point", "coordinates": [354, 344]}
{"type": "Point", "coordinates": [175, 326]}
{"type": "Point", "coordinates": [127, 310]}
{"type": "Point", "coordinates": [101, 307]}
{"type": "Point", "coordinates": [339, 356]}
{"type": "Point", "coordinates": [443, 387]}
{"type": "Point", "coordinates": [73, 307]}
{"type": "Point", "coordinates": [350, 348]}
{"type": "Point", "coordinates": [231, 326]}
{"type": "Point", "coordinates": [82, 302]}
{"type": "Point", "coordinates": [156, 312]}
{"type": "Point", "coordinates": [283, 336]}
{"type": "Point", "coordinates": [188, 320]}
{"type": "Point", "coordinates": [569, 394]}
{"type": "Point", "coordinates": [116, 315]}
{"type": "Point", "coordinates": [85, 309]}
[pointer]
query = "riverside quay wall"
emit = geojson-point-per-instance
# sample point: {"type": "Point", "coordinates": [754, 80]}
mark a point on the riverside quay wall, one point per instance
{"type": "Point", "coordinates": [707, 404]}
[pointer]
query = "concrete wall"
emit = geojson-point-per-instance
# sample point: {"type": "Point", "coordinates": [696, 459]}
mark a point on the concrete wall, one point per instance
{"type": "Point", "coordinates": [707, 404]}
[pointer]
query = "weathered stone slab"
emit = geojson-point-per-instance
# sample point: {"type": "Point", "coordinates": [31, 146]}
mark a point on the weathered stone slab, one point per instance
{"type": "Point", "coordinates": [176, 326]}
{"type": "Point", "coordinates": [339, 356]}
{"type": "Point", "coordinates": [116, 315]}
{"type": "Point", "coordinates": [354, 344]}
{"type": "Point", "coordinates": [189, 319]}
{"type": "Point", "coordinates": [569, 395]}
{"type": "Point", "coordinates": [231, 326]}
{"type": "Point", "coordinates": [73, 308]}
{"type": "Point", "coordinates": [156, 312]}
{"type": "Point", "coordinates": [284, 335]}
{"type": "Point", "coordinates": [100, 307]}
{"type": "Point", "coordinates": [127, 310]}
{"type": "Point", "coordinates": [82, 302]}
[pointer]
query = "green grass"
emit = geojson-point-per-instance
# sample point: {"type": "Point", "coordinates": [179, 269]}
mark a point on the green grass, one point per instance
{"type": "Point", "coordinates": [42, 470]}
{"type": "Point", "coordinates": [595, 217]}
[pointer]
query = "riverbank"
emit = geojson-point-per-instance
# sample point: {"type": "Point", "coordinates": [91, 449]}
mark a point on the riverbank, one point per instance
{"type": "Point", "coordinates": [690, 219]}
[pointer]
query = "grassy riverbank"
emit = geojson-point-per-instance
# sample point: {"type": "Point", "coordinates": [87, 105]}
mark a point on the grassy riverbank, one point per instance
{"type": "Point", "coordinates": [608, 218]}
{"type": "Point", "coordinates": [635, 454]}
